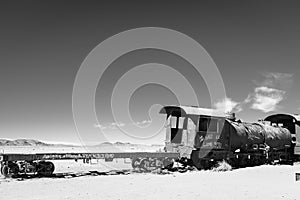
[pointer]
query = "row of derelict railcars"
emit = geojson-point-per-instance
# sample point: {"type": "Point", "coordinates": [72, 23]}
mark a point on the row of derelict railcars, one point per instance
{"type": "Point", "coordinates": [194, 136]}
{"type": "Point", "coordinates": [204, 137]}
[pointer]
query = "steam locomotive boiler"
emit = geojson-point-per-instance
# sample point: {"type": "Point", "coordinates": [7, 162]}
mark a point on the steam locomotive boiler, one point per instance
{"type": "Point", "coordinates": [205, 136]}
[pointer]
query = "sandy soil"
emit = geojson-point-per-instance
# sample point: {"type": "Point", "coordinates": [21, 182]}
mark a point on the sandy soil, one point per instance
{"type": "Point", "coordinates": [263, 182]}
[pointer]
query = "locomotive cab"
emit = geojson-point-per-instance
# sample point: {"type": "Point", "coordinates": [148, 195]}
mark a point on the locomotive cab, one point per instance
{"type": "Point", "coordinates": [191, 128]}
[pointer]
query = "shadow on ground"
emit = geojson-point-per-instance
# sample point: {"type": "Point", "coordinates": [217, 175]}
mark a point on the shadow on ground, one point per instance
{"type": "Point", "coordinates": [21, 177]}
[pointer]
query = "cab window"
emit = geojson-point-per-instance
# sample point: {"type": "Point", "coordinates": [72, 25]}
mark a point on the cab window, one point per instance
{"type": "Point", "coordinates": [180, 122]}
{"type": "Point", "coordinates": [177, 122]}
{"type": "Point", "coordinates": [208, 124]}
{"type": "Point", "coordinates": [177, 125]}
{"type": "Point", "coordinates": [173, 122]}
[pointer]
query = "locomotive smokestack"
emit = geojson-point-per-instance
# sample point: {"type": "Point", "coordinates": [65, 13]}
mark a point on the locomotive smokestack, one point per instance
{"type": "Point", "coordinates": [230, 116]}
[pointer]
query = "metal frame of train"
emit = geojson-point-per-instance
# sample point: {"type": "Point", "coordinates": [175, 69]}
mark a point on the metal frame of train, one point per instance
{"type": "Point", "coordinates": [194, 136]}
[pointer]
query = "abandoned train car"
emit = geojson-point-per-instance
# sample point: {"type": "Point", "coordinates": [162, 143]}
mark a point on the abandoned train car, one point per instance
{"type": "Point", "coordinates": [205, 136]}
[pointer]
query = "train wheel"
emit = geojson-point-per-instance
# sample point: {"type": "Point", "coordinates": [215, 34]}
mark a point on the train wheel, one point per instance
{"type": "Point", "coordinates": [51, 167]}
{"type": "Point", "coordinates": [13, 168]}
{"type": "Point", "coordinates": [5, 170]}
{"type": "Point", "coordinates": [145, 164]}
{"type": "Point", "coordinates": [135, 163]}
{"type": "Point", "coordinates": [45, 168]}
{"type": "Point", "coordinates": [159, 163]}
{"type": "Point", "coordinates": [168, 163]}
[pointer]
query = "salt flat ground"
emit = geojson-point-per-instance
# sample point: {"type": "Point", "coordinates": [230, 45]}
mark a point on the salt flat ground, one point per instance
{"type": "Point", "coordinates": [78, 149]}
{"type": "Point", "coordinates": [262, 182]}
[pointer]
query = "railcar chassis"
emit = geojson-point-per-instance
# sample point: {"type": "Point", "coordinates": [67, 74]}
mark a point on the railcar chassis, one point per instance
{"type": "Point", "coordinates": [14, 164]}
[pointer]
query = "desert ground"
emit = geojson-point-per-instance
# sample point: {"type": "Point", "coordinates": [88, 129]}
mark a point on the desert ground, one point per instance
{"type": "Point", "coordinates": [262, 182]}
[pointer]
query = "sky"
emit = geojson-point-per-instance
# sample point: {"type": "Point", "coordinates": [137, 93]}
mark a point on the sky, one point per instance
{"type": "Point", "coordinates": [254, 44]}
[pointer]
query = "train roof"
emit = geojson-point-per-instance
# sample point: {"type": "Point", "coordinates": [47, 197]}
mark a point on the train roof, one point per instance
{"type": "Point", "coordinates": [190, 110]}
{"type": "Point", "coordinates": [278, 118]}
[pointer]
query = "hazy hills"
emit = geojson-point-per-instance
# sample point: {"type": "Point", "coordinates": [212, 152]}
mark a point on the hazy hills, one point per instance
{"type": "Point", "coordinates": [22, 142]}
{"type": "Point", "coordinates": [31, 142]}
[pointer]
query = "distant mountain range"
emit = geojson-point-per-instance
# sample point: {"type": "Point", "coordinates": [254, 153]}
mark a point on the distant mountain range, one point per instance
{"type": "Point", "coordinates": [31, 142]}
{"type": "Point", "coordinates": [22, 142]}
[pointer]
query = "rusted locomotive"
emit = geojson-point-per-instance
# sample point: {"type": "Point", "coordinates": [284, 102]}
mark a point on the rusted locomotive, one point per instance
{"type": "Point", "coordinates": [194, 136]}
{"type": "Point", "coordinates": [204, 137]}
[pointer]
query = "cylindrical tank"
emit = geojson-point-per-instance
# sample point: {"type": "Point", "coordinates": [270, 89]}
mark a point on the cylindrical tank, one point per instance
{"type": "Point", "coordinates": [277, 137]}
{"type": "Point", "coordinates": [243, 135]}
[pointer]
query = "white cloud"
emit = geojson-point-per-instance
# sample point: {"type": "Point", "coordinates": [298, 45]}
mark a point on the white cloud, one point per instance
{"type": "Point", "coordinates": [265, 99]}
{"type": "Point", "coordinates": [113, 125]}
{"type": "Point", "coordinates": [270, 92]}
{"type": "Point", "coordinates": [117, 124]}
{"type": "Point", "coordinates": [142, 123]}
{"type": "Point", "coordinates": [278, 80]}
{"type": "Point", "coordinates": [266, 90]}
{"type": "Point", "coordinates": [100, 126]}
{"type": "Point", "coordinates": [227, 105]}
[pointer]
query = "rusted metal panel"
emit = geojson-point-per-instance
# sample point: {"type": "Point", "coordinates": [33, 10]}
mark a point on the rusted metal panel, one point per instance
{"type": "Point", "coordinates": [243, 135]}
{"type": "Point", "coordinates": [14, 157]}
{"type": "Point", "coordinates": [70, 156]}
{"type": "Point", "coordinates": [277, 137]}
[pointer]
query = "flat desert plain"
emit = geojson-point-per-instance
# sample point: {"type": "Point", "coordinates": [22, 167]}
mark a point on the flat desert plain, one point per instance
{"type": "Point", "coordinates": [262, 182]}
